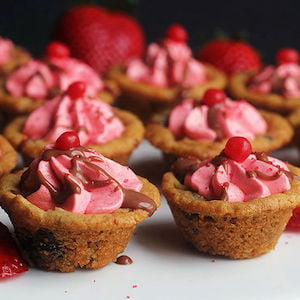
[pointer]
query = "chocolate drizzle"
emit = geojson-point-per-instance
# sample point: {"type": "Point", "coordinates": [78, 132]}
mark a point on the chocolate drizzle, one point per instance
{"type": "Point", "coordinates": [184, 166]}
{"type": "Point", "coordinates": [32, 179]}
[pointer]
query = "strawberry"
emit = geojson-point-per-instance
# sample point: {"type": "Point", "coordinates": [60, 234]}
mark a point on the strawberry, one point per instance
{"type": "Point", "coordinates": [10, 261]}
{"type": "Point", "coordinates": [100, 38]}
{"type": "Point", "coordinates": [294, 221]}
{"type": "Point", "coordinates": [230, 56]}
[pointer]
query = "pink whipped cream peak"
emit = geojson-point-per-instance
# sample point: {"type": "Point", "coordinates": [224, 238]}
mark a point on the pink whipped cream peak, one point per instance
{"type": "Point", "coordinates": [222, 120]}
{"type": "Point", "coordinates": [166, 64]}
{"type": "Point", "coordinates": [223, 178]}
{"type": "Point", "coordinates": [283, 79]}
{"type": "Point", "coordinates": [82, 181]}
{"type": "Point", "coordinates": [6, 47]}
{"type": "Point", "coordinates": [68, 70]}
{"type": "Point", "coordinates": [93, 120]}
{"type": "Point", "coordinates": [34, 80]}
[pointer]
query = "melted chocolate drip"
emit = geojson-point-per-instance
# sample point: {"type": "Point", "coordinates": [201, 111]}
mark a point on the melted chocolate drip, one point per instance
{"type": "Point", "coordinates": [184, 166]}
{"type": "Point", "coordinates": [32, 179]}
{"type": "Point", "coordinates": [124, 260]}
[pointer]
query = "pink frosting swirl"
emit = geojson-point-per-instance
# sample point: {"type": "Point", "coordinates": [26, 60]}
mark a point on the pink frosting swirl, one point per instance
{"type": "Point", "coordinates": [79, 180]}
{"type": "Point", "coordinates": [37, 80]}
{"type": "Point", "coordinates": [93, 120]}
{"type": "Point", "coordinates": [283, 79]}
{"type": "Point", "coordinates": [222, 120]}
{"type": "Point", "coordinates": [225, 179]}
{"type": "Point", "coordinates": [6, 47]}
{"type": "Point", "coordinates": [167, 64]}
{"type": "Point", "coordinates": [68, 70]}
{"type": "Point", "coordinates": [34, 79]}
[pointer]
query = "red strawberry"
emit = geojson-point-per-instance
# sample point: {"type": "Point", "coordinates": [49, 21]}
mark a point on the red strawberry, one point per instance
{"type": "Point", "coordinates": [230, 56]}
{"type": "Point", "coordinates": [100, 38]}
{"type": "Point", "coordinates": [10, 261]}
{"type": "Point", "coordinates": [294, 221]}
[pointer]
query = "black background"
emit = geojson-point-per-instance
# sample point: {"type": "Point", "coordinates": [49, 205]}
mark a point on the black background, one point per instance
{"type": "Point", "coordinates": [268, 25]}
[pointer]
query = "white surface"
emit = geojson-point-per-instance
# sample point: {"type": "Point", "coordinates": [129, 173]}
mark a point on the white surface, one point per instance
{"type": "Point", "coordinates": [165, 267]}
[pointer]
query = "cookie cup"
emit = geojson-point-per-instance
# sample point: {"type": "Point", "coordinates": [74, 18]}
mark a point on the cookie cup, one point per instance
{"type": "Point", "coordinates": [294, 119]}
{"type": "Point", "coordinates": [237, 88]}
{"type": "Point", "coordinates": [236, 230]}
{"type": "Point", "coordinates": [8, 156]}
{"type": "Point", "coordinates": [64, 241]}
{"type": "Point", "coordinates": [25, 105]}
{"type": "Point", "coordinates": [279, 133]}
{"type": "Point", "coordinates": [118, 149]}
{"type": "Point", "coordinates": [144, 99]}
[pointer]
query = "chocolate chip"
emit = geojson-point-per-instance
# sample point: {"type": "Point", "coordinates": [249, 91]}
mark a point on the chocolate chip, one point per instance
{"type": "Point", "coordinates": [42, 247]}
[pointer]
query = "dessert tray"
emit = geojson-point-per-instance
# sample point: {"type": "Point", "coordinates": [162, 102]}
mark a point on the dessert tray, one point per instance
{"type": "Point", "coordinates": [164, 266]}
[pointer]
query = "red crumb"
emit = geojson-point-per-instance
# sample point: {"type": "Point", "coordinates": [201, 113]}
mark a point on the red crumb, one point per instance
{"type": "Point", "coordinates": [286, 243]}
{"type": "Point", "coordinates": [94, 280]}
{"type": "Point", "coordinates": [65, 292]}
{"type": "Point", "coordinates": [213, 260]}
{"type": "Point", "coordinates": [127, 297]}
{"type": "Point", "coordinates": [134, 286]}
{"type": "Point", "coordinates": [125, 180]}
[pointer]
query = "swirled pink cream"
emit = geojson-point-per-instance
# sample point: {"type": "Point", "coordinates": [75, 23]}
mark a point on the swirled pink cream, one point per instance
{"type": "Point", "coordinates": [225, 179]}
{"type": "Point", "coordinates": [209, 123]}
{"type": "Point", "coordinates": [167, 64]}
{"type": "Point", "coordinates": [283, 79]}
{"type": "Point", "coordinates": [68, 70]}
{"type": "Point", "coordinates": [6, 47]}
{"type": "Point", "coordinates": [82, 181]}
{"type": "Point", "coordinates": [34, 79]}
{"type": "Point", "coordinates": [94, 121]}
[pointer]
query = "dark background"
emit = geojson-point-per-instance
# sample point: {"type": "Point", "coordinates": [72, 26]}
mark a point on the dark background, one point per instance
{"type": "Point", "coordinates": [268, 25]}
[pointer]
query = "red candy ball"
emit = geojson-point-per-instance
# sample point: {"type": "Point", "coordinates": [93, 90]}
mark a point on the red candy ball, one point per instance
{"type": "Point", "coordinates": [58, 50]}
{"type": "Point", "coordinates": [287, 55]}
{"type": "Point", "coordinates": [238, 148]}
{"type": "Point", "coordinates": [76, 90]}
{"type": "Point", "coordinates": [213, 96]}
{"type": "Point", "coordinates": [177, 33]}
{"type": "Point", "coordinates": [67, 140]}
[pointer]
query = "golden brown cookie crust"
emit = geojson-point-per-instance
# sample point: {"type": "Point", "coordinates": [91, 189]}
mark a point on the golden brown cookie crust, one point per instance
{"type": "Point", "coordinates": [75, 240]}
{"type": "Point", "coordinates": [233, 229]}
{"type": "Point", "coordinates": [237, 87]}
{"type": "Point", "coordinates": [8, 156]}
{"type": "Point", "coordinates": [279, 133]}
{"type": "Point", "coordinates": [147, 92]}
{"type": "Point", "coordinates": [118, 149]}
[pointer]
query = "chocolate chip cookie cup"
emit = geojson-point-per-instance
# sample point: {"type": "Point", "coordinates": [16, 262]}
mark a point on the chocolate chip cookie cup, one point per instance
{"type": "Point", "coordinates": [274, 88]}
{"type": "Point", "coordinates": [236, 230]}
{"type": "Point", "coordinates": [63, 237]}
{"type": "Point", "coordinates": [118, 149]}
{"type": "Point", "coordinates": [113, 132]}
{"type": "Point", "coordinates": [237, 88]}
{"type": "Point", "coordinates": [201, 129]}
